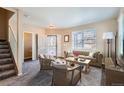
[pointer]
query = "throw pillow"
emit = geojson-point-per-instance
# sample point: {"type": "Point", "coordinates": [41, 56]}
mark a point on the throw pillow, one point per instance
{"type": "Point", "coordinates": [91, 54]}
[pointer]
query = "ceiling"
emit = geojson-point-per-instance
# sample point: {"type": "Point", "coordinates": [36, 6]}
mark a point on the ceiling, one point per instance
{"type": "Point", "coordinates": [64, 17]}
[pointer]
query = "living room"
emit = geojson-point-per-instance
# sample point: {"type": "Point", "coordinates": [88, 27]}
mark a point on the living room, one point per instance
{"type": "Point", "coordinates": [87, 40]}
{"type": "Point", "coordinates": [61, 46]}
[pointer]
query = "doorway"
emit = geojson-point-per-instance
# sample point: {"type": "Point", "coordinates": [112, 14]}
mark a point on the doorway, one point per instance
{"type": "Point", "coordinates": [52, 45]}
{"type": "Point", "coordinates": [36, 38]}
{"type": "Point", "coordinates": [5, 16]}
{"type": "Point", "coordinates": [27, 46]}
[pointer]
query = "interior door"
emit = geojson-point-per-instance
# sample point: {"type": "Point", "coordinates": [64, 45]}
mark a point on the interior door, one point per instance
{"type": "Point", "coordinates": [52, 45]}
{"type": "Point", "coordinates": [27, 45]}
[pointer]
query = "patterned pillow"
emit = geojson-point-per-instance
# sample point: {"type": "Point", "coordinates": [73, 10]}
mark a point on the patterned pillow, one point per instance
{"type": "Point", "coordinates": [42, 56]}
{"type": "Point", "coordinates": [76, 53]}
{"type": "Point", "coordinates": [91, 54]}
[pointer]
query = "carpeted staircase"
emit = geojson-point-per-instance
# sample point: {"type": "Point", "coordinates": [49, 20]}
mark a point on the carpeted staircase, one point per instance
{"type": "Point", "coordinates": [7, 65]}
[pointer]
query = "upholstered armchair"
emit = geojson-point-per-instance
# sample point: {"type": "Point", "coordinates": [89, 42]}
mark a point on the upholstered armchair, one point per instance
{"type": "Point", "coordinates": [64, 77]}
{"type": "Point", "coordinates": [98, 60]}
{"type": "Point", "coordinates": [45, 63]}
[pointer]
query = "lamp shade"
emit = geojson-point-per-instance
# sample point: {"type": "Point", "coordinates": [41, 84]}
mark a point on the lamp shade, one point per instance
{"type": "Point", "coordinates": [108, 35]}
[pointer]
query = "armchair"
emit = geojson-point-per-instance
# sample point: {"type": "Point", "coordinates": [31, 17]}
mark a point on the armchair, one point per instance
{"type": "Point", "coordinates": [64, 77]}
{"type": "Point", "coordinates": [45, 63]}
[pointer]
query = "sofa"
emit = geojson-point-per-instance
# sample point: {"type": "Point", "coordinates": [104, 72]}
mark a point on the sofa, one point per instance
{"type": "Point", "coordinates": [95, 57]}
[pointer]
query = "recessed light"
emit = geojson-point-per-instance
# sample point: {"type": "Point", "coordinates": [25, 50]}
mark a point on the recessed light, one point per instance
{"type": "Point", "coordinates": [27, 16]}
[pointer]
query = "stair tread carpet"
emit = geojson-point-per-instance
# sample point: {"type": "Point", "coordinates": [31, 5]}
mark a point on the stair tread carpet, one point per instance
{"type": "Point", "coordinates": [5, 55]}
{"type": "Point", "coordinates": [7, 74]}
{"type": "Point", "coordinates": [6, 67]}
{"type": "Point", "coordinates": [3, 43]}
{"type": "Point", "coordinates": [4, 50]}
{"type": "Point", "coordinates": [4, 46]}
{"type": "Point", "coordinates": [5, 61]}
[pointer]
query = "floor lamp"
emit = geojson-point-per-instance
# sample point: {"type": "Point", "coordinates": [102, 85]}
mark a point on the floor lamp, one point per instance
{"type": "Point", "coordinates": [108, 36]}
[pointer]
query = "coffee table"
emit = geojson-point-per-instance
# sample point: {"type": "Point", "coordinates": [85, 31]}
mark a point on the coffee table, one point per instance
{"type": "Point", "coordinates": [83, 62]}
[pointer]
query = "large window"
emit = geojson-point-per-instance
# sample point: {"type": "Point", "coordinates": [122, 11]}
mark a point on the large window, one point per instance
{"type": "Point", "coordinates": [121, 35]}
{"type": "Point", "coordinates": [84, 39]}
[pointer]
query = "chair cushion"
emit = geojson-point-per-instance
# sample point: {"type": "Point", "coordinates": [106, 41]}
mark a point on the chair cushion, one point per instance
{"type": "Point", "coordinates": [59, 64]}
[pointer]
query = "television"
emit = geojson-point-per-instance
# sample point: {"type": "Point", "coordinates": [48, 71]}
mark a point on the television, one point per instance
{"type": "Point", "coordinates": [120, 42]}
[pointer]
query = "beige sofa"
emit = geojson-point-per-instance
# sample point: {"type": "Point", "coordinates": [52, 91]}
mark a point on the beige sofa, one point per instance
{"type": "Point", "coordinates": [96, 57]}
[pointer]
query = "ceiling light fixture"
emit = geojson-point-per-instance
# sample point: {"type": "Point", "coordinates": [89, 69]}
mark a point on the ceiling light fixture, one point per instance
{"type": "Point", "coordinates": [51, 26]}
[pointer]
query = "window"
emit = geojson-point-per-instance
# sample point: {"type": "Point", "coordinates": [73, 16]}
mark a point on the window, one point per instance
{"type": "Point", "coordinates": [52, 45]}
{"type": "Point", "coordinates": [121, 35]}
{"type": "Point", "coordinates": [84, 39]}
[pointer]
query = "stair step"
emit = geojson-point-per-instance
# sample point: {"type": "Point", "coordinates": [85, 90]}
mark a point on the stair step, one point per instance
{"type": "Point", "coordinates": [7, 74]}
{"type": "Point", "coordinates": [5, 61]}
{"type": "Point", "coordinates": [3, 43]}
{"type": "Point", "coordinates": [6, 67]}
{"type": "Point", "coordinates": [4, 46]}
{"type": "Point", "coordinates": [6, 55]}
{"type": "Point", "coordinates": [4, 50]}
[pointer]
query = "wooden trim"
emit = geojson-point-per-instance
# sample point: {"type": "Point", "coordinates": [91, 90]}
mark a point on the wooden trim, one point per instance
{"type": "Point", "coordinates": [36, 38]}
{"type": "Point", "coordinates": [10, 9]}
{"type": "Point", "coordinates": [17, 45]}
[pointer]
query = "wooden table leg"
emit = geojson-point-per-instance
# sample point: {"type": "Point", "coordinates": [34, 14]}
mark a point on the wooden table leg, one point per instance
{"type": "Point", "coordinates": [80, 73]}
{"type": "Point", "coordinates": [86, 68]}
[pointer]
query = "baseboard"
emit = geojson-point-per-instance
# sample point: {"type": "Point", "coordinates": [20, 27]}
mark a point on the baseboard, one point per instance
{"type": "Point", "coordinates": [20, 74]}
{"type": "Point", "coordinates": [28, 58]}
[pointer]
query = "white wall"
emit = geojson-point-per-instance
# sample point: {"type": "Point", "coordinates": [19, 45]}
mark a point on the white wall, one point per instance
{"type": "Point", "coordinates": [101, 27]}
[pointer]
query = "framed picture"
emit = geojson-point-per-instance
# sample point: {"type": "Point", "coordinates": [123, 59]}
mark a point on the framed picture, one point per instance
{"type": "Point", "coordinates": [66, 38]}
